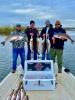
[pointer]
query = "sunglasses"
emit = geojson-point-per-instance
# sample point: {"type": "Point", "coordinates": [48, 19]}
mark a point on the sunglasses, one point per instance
{"type": "Point", "coordinates": [57, 24]}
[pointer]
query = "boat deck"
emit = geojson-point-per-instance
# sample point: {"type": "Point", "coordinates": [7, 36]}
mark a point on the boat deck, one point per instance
{"type": "Point", "coordinates": [65, 88]}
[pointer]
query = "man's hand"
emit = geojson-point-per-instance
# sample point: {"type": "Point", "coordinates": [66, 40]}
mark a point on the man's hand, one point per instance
{"type": "Point", "coordinates": [44, 35]}
{"type": "Point", "coordinates": [62, 38]}
{"type": "Point", "coordinates": [17, 38]}
{"type": "Point", "coordinates": [53, 39]}
{"type": "Point", "coordinates": [3, 43]}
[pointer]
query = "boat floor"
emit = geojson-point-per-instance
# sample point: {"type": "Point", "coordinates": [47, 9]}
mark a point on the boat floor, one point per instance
{"type": "Point", "coordinates": [65, 88]}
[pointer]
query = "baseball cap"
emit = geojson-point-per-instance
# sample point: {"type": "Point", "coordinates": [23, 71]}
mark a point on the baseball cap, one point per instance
{"type": "Point", "coordinates": [18, 25]}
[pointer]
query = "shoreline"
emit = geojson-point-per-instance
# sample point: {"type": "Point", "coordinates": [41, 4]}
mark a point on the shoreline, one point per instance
{"type": "Point", "coordinates": [5, 30]}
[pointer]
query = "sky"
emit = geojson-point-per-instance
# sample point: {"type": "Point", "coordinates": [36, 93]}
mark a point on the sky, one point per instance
{"type": "Point", "coordinates": [22, 11]}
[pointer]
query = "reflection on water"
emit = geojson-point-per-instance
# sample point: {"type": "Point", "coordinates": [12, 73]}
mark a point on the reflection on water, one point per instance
{"type": "Point", "coordinates": [6, 57]}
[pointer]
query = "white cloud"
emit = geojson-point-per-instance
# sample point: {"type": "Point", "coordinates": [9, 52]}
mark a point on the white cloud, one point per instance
{"type": "Point", "coordinates": [27, 9]}
{"type": "Point", "coordinates": [45, 16]}
{"type": "Point", "coordinates": [23, 11]}
{"type": "Point", "coordinates": [38, 12]}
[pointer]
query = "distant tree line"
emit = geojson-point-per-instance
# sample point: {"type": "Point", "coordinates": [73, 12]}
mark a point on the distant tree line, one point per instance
{"type": "Point", "coordinates": [6, 30]}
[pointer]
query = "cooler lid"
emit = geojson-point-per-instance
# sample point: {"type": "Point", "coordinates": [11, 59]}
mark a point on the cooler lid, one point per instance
{"type": "Point", "coordinates": [39, 66]}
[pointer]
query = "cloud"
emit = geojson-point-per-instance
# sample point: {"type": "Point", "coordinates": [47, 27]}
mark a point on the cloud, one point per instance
{"type": "Point", "coordinates": [38, 10]}
{"type": "Point", "coordinates": [23, 11]}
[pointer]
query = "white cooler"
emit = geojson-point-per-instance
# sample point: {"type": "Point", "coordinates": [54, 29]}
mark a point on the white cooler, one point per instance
{"type": "Point", "coordinates": [39, 75]}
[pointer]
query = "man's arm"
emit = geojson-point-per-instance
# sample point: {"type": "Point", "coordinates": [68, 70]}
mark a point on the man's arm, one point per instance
{"type": "Point", "coordinates": [7, 38]}
{"type": "Point", "coordinates": [25, 37]}
{"type": "Point", "coordinates": [42, 33]}
{"type": "Point", "coordinates": [37, 33]}
{"type": "Point", "coordinates": [27, 31]}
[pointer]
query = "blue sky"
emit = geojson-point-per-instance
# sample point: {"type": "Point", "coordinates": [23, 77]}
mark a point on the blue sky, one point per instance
{"type": "Point", "coordinates": [22, 11]}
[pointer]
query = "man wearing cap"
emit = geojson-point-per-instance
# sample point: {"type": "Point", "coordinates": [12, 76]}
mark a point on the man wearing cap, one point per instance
{"type": "Point", "coordinates": [18, 47]}
{"type": "Point", "coordinates": [45, 34]}
{"type": "Point", "coordinates": [32, 31]}
{"type": "Point", "coordinates": [57, 45]}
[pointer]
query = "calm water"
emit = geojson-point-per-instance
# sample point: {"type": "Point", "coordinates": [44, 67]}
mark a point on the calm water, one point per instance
{"type": "Point", "coordinates": [6, 56]}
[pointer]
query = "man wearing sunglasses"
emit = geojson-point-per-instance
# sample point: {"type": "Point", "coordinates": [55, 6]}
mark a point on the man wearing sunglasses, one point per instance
{"type": "Point", "coordinates": [57, 45]}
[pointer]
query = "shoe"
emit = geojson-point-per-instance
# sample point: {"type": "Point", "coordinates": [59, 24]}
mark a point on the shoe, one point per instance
{"type": "Point", "coordinates": [59, 71]}
{"type": "Point", "coordinates": [13, 71]}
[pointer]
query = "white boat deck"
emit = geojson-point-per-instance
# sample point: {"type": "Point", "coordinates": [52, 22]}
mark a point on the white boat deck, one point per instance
{"type": "Point", "coordinates": [65, 89]}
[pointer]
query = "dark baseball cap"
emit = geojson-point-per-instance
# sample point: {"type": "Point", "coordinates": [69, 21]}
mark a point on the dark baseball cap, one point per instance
{"type": "Point", "coordinates": [32, 22]}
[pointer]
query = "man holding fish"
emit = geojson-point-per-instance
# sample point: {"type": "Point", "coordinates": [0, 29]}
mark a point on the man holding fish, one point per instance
{"type": "Point", "coordinates": [32, 34]}
{"type": "Point", "coordinates": [46, 31]}
{"type": "Point", "coordinates": [57, 44]}
{"type": "Point", "coordinates": [18, 39]}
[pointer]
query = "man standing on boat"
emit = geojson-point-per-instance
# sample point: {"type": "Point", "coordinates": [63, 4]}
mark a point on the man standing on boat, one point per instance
{"type": "Point", "coordinates": [46, 31]}
{"type": "Point", "coordinates": [18, 47]}
{"type": "Point", "coordinates": [57, 44]}
{"type": "Point", "coordinates": [32, 32]}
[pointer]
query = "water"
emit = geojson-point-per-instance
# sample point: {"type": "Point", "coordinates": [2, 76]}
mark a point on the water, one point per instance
{"type": "Point", "coordinates": [5, 59]}
{"type": "Point", "coordinates": [6, 56]}
{"type": "Point", "coordinates": [69, 54]}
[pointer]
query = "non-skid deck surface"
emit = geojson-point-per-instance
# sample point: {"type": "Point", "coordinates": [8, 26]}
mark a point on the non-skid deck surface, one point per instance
{"type": "Point", "coordinates": [65, 89]}
{"type": "Point", "coordinates": [10, 82]}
